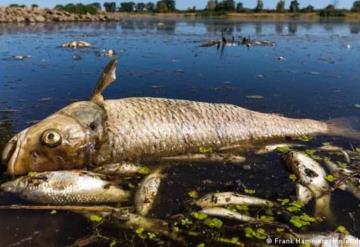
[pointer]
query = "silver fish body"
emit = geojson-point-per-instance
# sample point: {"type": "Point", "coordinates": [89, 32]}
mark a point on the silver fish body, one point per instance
{"type": "Point", "coordinates": [65, 187]}
{"type": "Point", "coordinates": [152, 127]}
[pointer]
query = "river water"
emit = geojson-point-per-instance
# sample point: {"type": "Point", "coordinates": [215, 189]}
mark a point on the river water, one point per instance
{"type": "Point", "coordinates": [318, 78]}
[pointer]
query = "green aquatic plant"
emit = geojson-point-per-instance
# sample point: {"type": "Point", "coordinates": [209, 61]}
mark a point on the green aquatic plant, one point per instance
{"type": "Point", "coordinates": [258, 233]}
{"type": "Point", "coordinates": [330, 178]}
{"type": "Point", "coordinates": [266, 218]}
{"type": "Point", "coordinates": [302, 220]}
{"type": "Point", "coordinates": [205, 150]}
{"type": "Point", "coordinates": [95, 218]}
{"type": "Point", "coordinates": [193, 194]}
{"type": "Point", "coordinates": [229, 241]}
{"type": "Point", "coordinates": [293, 177]}
{"type": "Point", "coordinates": [213, 223]}
{"type": "Point", "coordinates": [295, 206]}
{"type": "Point", "coordinates": [199, 215]}
{"type": "Point", "coordinates": [304, 138]}
{"type": "Point", "coordinates": [342, 229]}
{"type": "Point", "coordinates": [283, 149]}
{"type": "Point", "coordinates": [144, 170]}
{"type": "Point", "coordinates": [312, 154]}
{"type": "Point", "coordinates": [250, 191]}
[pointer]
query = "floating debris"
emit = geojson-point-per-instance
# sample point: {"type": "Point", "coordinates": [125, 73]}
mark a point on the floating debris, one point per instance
{"type": "Point", "coordinates": [21, 57]}
{"type": "Point", "coordinates": [76, 44]}
{"type": "Point", "coordinates": [65, 187]}
{"type": "Point", "coordinates": [255, 97]}
{"type": "Point", "coordinates": [108, 53]}
{"type": "Point", "coordinates": [76, 57]}
{"type": "Point", "coordinates": [281, 58]}
{"type": "Point", "coordinates": [357, 106]}
{"type": "Point", "coordinates": [45, 99]}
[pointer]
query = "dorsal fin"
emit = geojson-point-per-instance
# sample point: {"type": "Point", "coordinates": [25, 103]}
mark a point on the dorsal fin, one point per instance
{"type": "Point", "coordinates": [106, 78]}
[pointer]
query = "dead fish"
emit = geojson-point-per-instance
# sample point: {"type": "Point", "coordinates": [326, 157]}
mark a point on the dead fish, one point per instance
{"type": "Point", "coordinates": [333, 239]}
{"type": "Point", "coordinates": [134, 221]}
{"type": "Point", "coordinates": [138, 129]}
{"type": "Point", "coordinates": [21, 57]}
{"type": "Point", "coordinates": [230, 198]}
{"type": "Point", "coordinates": [65, 187]}
{"type": "Point", "coordinates": [76, 44]}
{"type": "Point", "coordinates": [147, 192]}
{"type": "Point", "coordinates": [312, 183]}
{"type": "Point", "coordinates": [350, 184]}
{"type": "Point", "coordinates": [273, 147]}
{"type": "Point", "coordinates": [121, 169]}
{"type": "Point", "coordinates": [227, 214]}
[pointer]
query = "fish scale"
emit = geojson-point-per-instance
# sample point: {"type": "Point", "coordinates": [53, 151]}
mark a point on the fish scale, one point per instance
{"type": "Point", "coordinates": [139, 127]}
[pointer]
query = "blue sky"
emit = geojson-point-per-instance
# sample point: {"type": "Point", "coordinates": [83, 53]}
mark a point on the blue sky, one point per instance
{"type": "Point", "coordinates": [183, 4]}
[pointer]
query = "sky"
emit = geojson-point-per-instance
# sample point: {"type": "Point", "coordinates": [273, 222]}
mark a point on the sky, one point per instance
{"type": "Point", "coordinates": [183, 4]}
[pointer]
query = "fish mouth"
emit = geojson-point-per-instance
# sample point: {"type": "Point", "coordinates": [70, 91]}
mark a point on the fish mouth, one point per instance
{"type": "Point", "coordinates": [11, 155]}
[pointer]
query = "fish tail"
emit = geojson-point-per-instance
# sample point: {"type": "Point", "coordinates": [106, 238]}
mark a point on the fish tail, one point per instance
{"type": "Point", "coordinates": [346, 127]}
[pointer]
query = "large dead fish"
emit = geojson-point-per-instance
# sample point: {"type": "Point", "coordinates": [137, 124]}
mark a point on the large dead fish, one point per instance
{"type": "Point", "coordinates": [65, 187]}
{"type": "Point", "coordinates": [133, 129]}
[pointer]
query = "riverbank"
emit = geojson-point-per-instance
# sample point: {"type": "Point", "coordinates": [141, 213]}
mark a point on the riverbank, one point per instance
{"type": "Point", "coordinates": [34, 15]}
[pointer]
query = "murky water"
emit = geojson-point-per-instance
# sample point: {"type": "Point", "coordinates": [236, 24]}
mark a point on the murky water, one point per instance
{"type": "Point", "coordinates": [319, 79]}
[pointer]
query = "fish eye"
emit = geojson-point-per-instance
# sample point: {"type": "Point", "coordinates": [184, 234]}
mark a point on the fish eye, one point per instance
{"type": "Point", "coordinates": [51, 138]}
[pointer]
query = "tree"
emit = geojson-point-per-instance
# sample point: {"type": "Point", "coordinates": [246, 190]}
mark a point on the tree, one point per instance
{"type": "Point", "coordinates": [166, 6]}
{"type": "Point", "coordinates": [127, 7]}
{"type": "Point", "coordinates": [356, 6]}
{"type": "Point", "coordinates": [211, 5]}
{"type": "Point", "coordinates": [161, 7]}
{"type": "Point", "coordinates": [308, 9]}
{"type": "Point", "coordinates": [150, 6]}
{"type": "Point", "coordinates": [110, 6]}
{"type": "Point", "coordinates": [294, 6]}
{"type": "Point", "coordinates": [225, 5]}
{"type": "Point", "coordinates": [240, 7]}
{"type": "Point", "coordinates": [280, 7]}
{"type": "Point", "coordinates": [140, 7]}
{"type": "Point", "coordinates": [96, 5]}
{"type": "Point", "coordinates": [259, 6]}
{"type": "Point", "coordinates": [34, 6]}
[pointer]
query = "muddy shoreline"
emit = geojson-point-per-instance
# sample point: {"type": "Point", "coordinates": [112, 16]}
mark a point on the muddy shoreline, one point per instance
{"type": "Point", "coordinates": [40, 15]}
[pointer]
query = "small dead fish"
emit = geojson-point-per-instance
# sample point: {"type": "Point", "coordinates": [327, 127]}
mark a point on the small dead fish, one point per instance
{"type": "Point", "coordinates": [76, 44]}
{"type": "Point", "coordinates": [274, 147]}
{"type": "Point", "coordinates": [227, 214]}
{"type": "Point", "coordinates": [134, 221]}
{"type": "Point", "coordinates": [21, 57]}
{"type": "Point", "coordinates": [230, 198]}
{"type": "Point", "coordinates": [309, 172]}
{"type": "Point", "coordinates": [331, 240]}
{"type": "Point", "coordinates": [312, 183]}
{"type": "Point", "coordinates": [146, 194]}
{"type": "Point", "coordinates": [121, 169]}
{"type": "Point", "coordinates": [350, 184]}
{"type": "Point", "coordinates": [65, 187]}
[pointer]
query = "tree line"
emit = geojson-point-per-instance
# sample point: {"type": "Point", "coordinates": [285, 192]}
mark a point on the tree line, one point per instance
{"type": "Point", "coordinates": [212, 7]}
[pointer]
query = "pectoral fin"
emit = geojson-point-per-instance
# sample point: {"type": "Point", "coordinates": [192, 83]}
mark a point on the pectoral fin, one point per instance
{"type": "Point", "coordinates": [106, 78]}
{"type": "Point", "coordinates": [303, 194]}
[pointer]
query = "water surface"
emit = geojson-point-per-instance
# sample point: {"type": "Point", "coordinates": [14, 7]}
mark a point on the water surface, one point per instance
{"type": "Point", "coordinates": [319, 79]}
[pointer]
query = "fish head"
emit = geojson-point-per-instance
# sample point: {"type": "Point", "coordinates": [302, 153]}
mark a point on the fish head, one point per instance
{"type": "Point", "coordinates": [13, 186]}
{"type": "Point", "coordinates": [65, 140]}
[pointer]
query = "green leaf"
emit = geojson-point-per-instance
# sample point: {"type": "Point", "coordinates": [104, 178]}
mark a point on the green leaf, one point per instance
{"type": "Point", "coordinates": [185, 222]}
{"type": "Point", "coordinates": [341, 164]}
{"type": "Point", "coordinates": [200, 245]}
{"type": "Point", "coordinates": [151, 235]}
{"type": "Point", "coordinates": [284, 201]}
{"type": "Point", "coordinates": [284, 149]}
{"type": "Point", "coordinates": [213, 223]}
{"type": "Point", "coordinates": [304, 138]}
{"type": "Point", "coordinates": [249, 191]}
{"type": "Point", "coordinates": [307, 244]}
{"type": "Point", "coordinates": [326, 143]}
{"type": "Point", "coordinates": [53, 212]}
{"type": "Point", "coordinates": [193, 194]}
{"type": "Point", "coordinates": [292, 177]}
{"type": "Point", "coordinates": [258, 233]}
{"type": "Point", "coordinates": [205, 150]}
{"type": "Point", "coordinates": [144, 170]}
{"type": "Point", "coordinates": [330, 178]}
{"type": "Point", "coordinates": [139, 231]}
{"type": "Point", "coordinates": [112, 243]}
{"type": "Point", "coordinates": [199, 215]}
{"type": "Point", "coordinates": [266, 218]}
{"type": "Point", "coordinates": [95, 218]}
{"type": "Point", "coordinates": [302, 220]}
{"type": "Point", "coordinates": [342, 229]}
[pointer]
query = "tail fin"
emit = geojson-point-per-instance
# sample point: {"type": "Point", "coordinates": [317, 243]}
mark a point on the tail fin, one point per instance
{"type": "Point", "coordinates": [348, 127]}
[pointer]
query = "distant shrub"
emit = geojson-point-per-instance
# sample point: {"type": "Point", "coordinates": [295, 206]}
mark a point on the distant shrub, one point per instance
{"type": "Point", "coordinates": [211, 13]}
{"type": "Point", "coordinates": [14, 5]}
{"type": "Point", "coordinates": [78, 8]}
{"type": "Point", "coordinates": [331, 11]}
